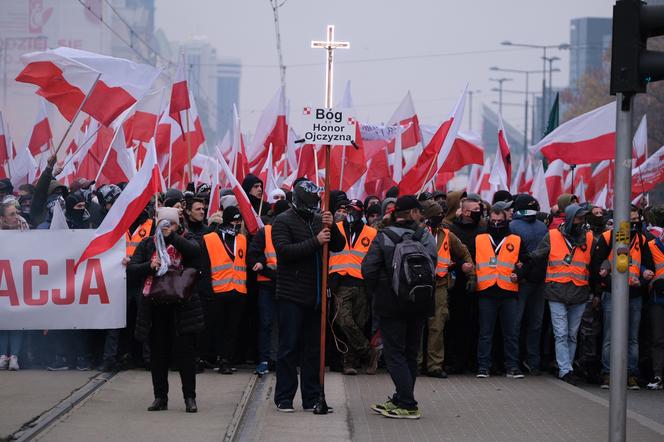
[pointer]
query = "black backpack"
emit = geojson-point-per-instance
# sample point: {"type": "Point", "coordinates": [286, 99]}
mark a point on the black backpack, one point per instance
{"type": "Point", "coordinates": [412, 267]}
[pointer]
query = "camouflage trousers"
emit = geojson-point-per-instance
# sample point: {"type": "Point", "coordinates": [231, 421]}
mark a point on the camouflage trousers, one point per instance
{"type": "Point", "coordinates": [434, 329]}
{"type": "Point", "coordinates": [352, 314]}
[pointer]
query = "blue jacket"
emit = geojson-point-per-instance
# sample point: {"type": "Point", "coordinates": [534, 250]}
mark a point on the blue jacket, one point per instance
{"type": "Point", "coordinates": [530, 230]}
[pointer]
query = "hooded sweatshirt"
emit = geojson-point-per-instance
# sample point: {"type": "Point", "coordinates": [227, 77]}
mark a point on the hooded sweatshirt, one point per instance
{"type": "Point", "coordinates": [453, 204]}
{"type": "Point", "coordinates": [564, 201]}
{"type": "Point", "coordinates": [247, 184]}
{"type": "Point", "coordinates": [567, 293]}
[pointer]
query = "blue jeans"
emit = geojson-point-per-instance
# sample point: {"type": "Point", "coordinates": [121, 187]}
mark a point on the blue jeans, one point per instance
{"type": "Point", "coordinates": [10, 342]}
{"type": "Point", "coordinates": [490, 307]}
{"type": "Point", "coordinates": [565, 320]}
{"type": "Point", "coordinates": [632, 336]}
{"type": "Point", "coordinates": [531, 304]}
{"type": "Point", "coordinates": [267, 307]}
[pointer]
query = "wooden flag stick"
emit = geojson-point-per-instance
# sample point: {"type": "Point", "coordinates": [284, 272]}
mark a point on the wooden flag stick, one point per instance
{"type": "Point", "coordinates": [76, 115]}
{"type": "Point", "coordinates": [426, 181]}
{"type": "Point", "coordinates": [191, 175]}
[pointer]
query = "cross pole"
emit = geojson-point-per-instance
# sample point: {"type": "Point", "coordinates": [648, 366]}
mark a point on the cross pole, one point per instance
{"type": "Point", "coordinates": [329, 45]}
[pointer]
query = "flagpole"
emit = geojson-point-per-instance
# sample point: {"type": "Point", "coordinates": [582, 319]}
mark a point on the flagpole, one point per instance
{"type": "Point", "coordinates": [426, 181]}
{"type": "Point", "coordinates": [76, 115]}
{"type": "Point", "coordinates": [78, 149]}
{"type": "Point", "coordinates": [191, 175]}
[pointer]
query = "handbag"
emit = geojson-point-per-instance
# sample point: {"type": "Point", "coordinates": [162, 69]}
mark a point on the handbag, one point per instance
{"type": "Point", "coordinates": [174, 286]}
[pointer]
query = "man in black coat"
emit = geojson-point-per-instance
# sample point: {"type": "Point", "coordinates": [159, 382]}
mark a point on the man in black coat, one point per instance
{"type": "Point", "coordinates": [298, 236]}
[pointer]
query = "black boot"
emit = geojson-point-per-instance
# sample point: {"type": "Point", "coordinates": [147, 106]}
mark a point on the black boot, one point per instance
{"type": "Point", "coordinates": [159, 404]}
{"type": "Point", "coordinates": [225, 367]}
{"type": "Point", "coordinates": [190, 405]}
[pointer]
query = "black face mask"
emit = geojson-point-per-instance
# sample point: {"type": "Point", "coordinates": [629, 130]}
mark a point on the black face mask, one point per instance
{"type": "Point", "coordinates": [475, 218]}
{"type": "Point", "coordinates": [497, 229]}
{"type": "Point", "coordinates": [634, 228]}
{"type": "Point", "coordinates": [435, 221]}
{"type": "Point", "coordinates": [596, 221]}
{"type": "Point", "coordinates": [576, 229]}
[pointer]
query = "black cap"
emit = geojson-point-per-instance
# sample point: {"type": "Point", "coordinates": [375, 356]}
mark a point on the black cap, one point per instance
{"type": "Point", "coordinates": [6, 186]}
{"type": "Point", "coordinates": [231, 213]}
{"type": "Point", "coordinates": [524, 201]}
{"type": "Point", "coordinates": [407, 202]}
{"type": "Point", "coordinates": [356, 204]}
{"type": "Point", "coordinates": [502, 195]}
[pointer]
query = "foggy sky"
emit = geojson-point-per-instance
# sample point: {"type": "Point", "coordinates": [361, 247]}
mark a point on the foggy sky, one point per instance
{"type": "Point", "coordinates": [383, 29]}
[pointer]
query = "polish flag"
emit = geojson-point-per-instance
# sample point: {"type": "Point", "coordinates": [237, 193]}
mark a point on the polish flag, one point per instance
{"type": "Point", "coordinates": [482, 185]}
{"type": "Point", "coordinates": [554, 179]}
{"type": "Point", "coordinates": [466, 150]}
{"type": "Point", "coordinates": [215, 191]}
{"type": "Point", "coordinates": [267, 175]}
{"type": "Point", "coordinates": [474, 175]}
{"type": "Point", "coordinates": [179, 94]}
{"type": "Point", "coordinates": [640, 143]}
{"type": "Point", "coordinates": [580, 190]}
{"type": "Point", "coordinates": [378, 178]}
{"type": "Point", "coordinates": [307, 163]}
{"type": "Point", "coordinates": [520, 175]}
{"type": "Point", "coordinates": [501, 174]}
{"type": "Point", "coordinates": [581, 172]}
{"type": "Point", "coordinates": [588, 138]}
{"type": "Point", "coordinates": [251, 219]}
{"type": "Point", "coordinates": [405, 115]}
{"type": "Point", "coordinates": [126, 209]}
{"type": "Point", "coordinates": [601, 198]}
{"type": "Point", "coordinates": [601, 176]}
{"type": "Point", "coordinates": [436, 153]}
{"type": "Point", "coordinates": [239, 161]}
{"type": "Point", "coordinates": [5, 155]}
{"type": "Point", "coordinates": [119, 164]}
{"type": "Point", "coordinates": [649, 174]}
{"type": "Point", "coordinates": [24, 168]}
{"type": "Point", "coordinates": [539, 188]}
{"type": "Point", "coordinates": [40, 137]}
{"type": "Point", "coordinates": [142, 124]}
{"type": "Point", "coordinates": [65, 75]}
{"type": "Point", "coordinates": [272, 129]}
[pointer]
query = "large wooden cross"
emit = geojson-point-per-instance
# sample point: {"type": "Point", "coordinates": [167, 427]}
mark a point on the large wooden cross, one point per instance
{"type": "Point", "coordinates": [330, 45]}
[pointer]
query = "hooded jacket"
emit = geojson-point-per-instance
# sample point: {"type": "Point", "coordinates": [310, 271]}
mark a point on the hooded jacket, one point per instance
{"type": "Point", "coordinates": [453, 204]}
{"type": "Point", "coordinates": [247, 184]}
{"type": "Point", "coordinates": [567, 293]}
{"type": "Point", "coordinates": [564, 201]}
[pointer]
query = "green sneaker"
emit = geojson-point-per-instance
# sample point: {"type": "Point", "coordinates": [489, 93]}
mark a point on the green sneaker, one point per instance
{"type": "Point", "coordinates": [402, 413]}
{"type": "Point", "coordinates": [385, 406]}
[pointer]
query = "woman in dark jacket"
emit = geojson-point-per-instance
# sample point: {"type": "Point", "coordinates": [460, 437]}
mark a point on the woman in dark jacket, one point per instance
{"type": "Point", "coordinates": [169, 328]}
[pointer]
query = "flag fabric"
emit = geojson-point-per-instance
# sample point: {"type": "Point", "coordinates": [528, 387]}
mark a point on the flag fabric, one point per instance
{"type": "Point", "coordinates": [5, 154]}
{"type": "Point", "coordinates": [239, 160]}
{"type": "Point", "coordinates": [640, 143]}
{"type": "Point", "coordinates": [554, 179]}
{"type": "Point", "coordinates": [215, 191]}
{"type": "Point", "coordinates": [588, 138]}
{"type": "Point", "coordinates": [482, 186]}
{"type": "Point", "coordinates": [580, 190]}
{"type": "Point", "coordinates": [24, 168]}
{"type": "Point", "coordinates": [58, 220]}
{"type": "Point", "coordinates": [601, 198]}
{"type": "Point", "coordinates": [520, 175]}
{"type": "Point", "coordinates": [267, 175]}
{"type": "Point", "coordinates": [601, 177]}
{"type": "Point", "coordinates": [405, 115]}
{"type": "Point", "coordinates": [179, 94]}
{"type": "Point", "coordinates": [40, 136]}
{"type": "Point", "coordinates": [119, 164]}
{"type": "Point", "coordinates": [539, 189]}
{"type": "Point", "coordinates": [66, 75]}
{"type": "Point", "coordinates": [466, 150]}
{"type": "Point", "coordinates": [126, 209]}
{"type": "Point", "coordinates": [251, 219]}
{"type": "Point", "coordinates": [554, 116]}
{"type": "Point", "coordinates": [649, 174]}
{"type": "Point", "coordinates": [142, 124]}
{"type": "Point", "coordinates": [501, 174]}
{"type": "Point", "coordinates": [436, 152]}
{"type": "Point", "coordinates": [272, 129]}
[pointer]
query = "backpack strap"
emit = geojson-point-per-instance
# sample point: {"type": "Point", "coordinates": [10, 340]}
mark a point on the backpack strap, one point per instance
{"type": "Point", "coordinates": [394, 237]}
{"type": "Point", "coordinates": [418, 235]}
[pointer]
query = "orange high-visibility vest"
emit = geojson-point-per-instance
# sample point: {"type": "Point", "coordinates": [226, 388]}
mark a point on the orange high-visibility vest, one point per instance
{"type": "Point", "coordinates": [270, 253]}
{"type": "Point", "coordinates": [658, 258]}
{"type": "Point", "coordinates": [576, 271]}
{"type": "Point", "coordinates": [349, 260]}
{"type": "Point", "coordinates": [444, 257]}
{"type": "Point", "coordinates": [634, 257]}
{"type": "Point", "coordinates": [143, 231]}
{"type": "Point", "coordinates": [492, 269]}
{"type": "Point", "coordinates": [227, 274]}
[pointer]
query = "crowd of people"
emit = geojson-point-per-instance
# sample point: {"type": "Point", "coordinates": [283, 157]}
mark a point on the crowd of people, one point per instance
{"type": "Point", "coordinates": [512, 290]}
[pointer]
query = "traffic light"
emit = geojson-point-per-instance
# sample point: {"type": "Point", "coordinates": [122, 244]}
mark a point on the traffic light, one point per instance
{"type": "Point", "coordinates": [632, 65]}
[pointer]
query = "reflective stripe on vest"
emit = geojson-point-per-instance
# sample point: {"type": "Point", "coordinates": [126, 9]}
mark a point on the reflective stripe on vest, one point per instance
{"type": "Point", "coordinates": [492, 269]}
{"type": "Point", "coordinates": [576, 271]}
{"type": "Point", "coordinates": [444, 259]}
{"type": "Point", "coordinates": [658, 259]}
{"type": "Point", "coordinates": [143, 231]}
{"type": "Point", "coordinates": [349, 260]}
{"type": "Point", "coordinates": [227, 274]}
{"type": "Point", "coordinates": [270, 253]}
{"type": "Point", "coordinates": [634, 258]}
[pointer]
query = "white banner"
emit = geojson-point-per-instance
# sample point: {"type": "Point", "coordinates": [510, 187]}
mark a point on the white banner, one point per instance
{"type": "Point", "coordinates": [39, 289]}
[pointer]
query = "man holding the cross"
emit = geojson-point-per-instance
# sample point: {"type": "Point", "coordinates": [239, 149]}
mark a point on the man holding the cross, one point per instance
{"type": "Point", "coordinates": [298, 236]}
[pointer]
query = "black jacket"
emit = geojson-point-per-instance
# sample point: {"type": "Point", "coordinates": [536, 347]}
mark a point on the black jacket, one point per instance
{"type": "Point", "coordinates": [189, 315]}
{"type": "Point", "coordinates": [299, 256]}
{"type": "Point", "coordinates": [377, 273]}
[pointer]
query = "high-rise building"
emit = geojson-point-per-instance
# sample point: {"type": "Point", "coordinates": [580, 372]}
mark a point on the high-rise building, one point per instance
{"type": "Point", "coordinates": [134, 21]}
{"type": "Point", "coordinates": [201, 65]}
{"type": "Point", "coordinates": [229, 71]}
{"type": "Point", "coordinates": [490, 133]}
{"type": "Point", "coordinates": [590, 38]}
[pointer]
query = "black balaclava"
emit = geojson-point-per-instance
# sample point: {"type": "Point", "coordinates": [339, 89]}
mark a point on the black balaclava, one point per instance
{"type": "Point", "coordinates": [498, 230]}
{"type": "Point", "coordinates": [77, 218]}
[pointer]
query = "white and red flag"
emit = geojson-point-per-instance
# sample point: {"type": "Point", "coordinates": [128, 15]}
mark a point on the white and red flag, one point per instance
{"type": "Point", "coordinates": [640, 143]}
{"type": "Point", "coordinates": [588, 138]}
{"type": "Point", "coordinates": [601, 198]}
{"type": "Point", "coordinates": [126, 209]}
{"type": "Point", "coordinates": [40, 136]}
{"type": "Point", "coordinates": [267, 175]}
{"type": "Point", "coordinates": [649, 174]}
{"type": "Point", "coordinates": [66, 75]}
{"type": "Point", "coordinates": [5, 143]}
{"type": "Point", "coordinates": [179, 102]}
{"type": "Point", "coordinates": [119, 164]}
{"type": "Point", "coordinates": [554, 179]}
{"type": "Point", "coordinates": [467, 149]}
{"type": "Point", "coordinates": [482, 186]}
{"type": "Point", "coordinates": [436, 152]}
{"type": "Point", "coordinates": [215, 190]}
{"type": "Point", "coordinates": [239, 160]}
{"type": "Point", "coordinates": [272, 129]}
{"type": "Point", "coordinates": [251, 219]}
{"type": "Point", "coordinates": [142, 124]}
{"type": "Point", "coordinates": [24, 167]}
{"type": "Point", "coordinates": [405, 115]}
{"type": "Point", "coordinates": [601, 176]}
{"type": "Point", "coordinates": [501, 174]}
{"type": "Point", "coordinates": [539, 189]}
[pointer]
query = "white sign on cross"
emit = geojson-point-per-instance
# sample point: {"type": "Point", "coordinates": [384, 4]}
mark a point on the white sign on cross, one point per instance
{"type": "Point", "coordinates": [330, 45]}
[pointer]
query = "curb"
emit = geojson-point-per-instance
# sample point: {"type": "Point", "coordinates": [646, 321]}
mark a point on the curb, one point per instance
{"type": "Point", "coordinates": [40, 423]}
{"type": "Point", "coordinates": [238, 414]}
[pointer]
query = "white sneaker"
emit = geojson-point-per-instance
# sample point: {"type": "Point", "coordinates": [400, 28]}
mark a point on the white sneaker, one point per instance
{"type": "Point", "coordinates": [4, 362]}
{"type": "Point", "coordinates": [13, 363]}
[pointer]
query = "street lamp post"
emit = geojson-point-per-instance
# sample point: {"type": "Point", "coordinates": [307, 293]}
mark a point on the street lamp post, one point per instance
{"type": "Point", "coordinates": [470, 108]}
{"type": "Point", "coordinates": [551, 60]}
{"type": "Point", "coordinates": [543, 48]}
{"type": "Point", "coordinates": [500, 82]}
